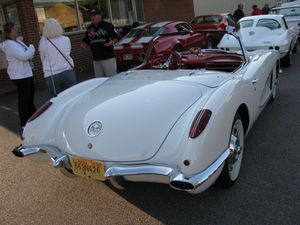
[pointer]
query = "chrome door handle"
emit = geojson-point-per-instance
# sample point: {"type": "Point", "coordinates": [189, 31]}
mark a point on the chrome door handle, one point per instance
{"type": "Point", "coordinates": [254, 81]}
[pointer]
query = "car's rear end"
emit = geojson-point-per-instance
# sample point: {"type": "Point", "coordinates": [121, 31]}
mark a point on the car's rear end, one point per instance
{"type": "Point", "coordinates": [291, 14]}
{"type": "Point", "coordinates": [208, 22]}
{"type": "Point", "coordinates": [131, 50]}
{"type": "Point", "coordinates": [120, 128]}
{"type": "Point", "coordinates": [129, 55]}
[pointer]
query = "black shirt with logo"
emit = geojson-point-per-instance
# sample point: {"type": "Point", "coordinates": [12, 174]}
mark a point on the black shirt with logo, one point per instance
{"type": "Point", "coordinates": [97, 36]}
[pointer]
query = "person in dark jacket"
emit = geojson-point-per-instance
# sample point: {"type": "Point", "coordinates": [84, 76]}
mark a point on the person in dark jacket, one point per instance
{"type": "Point", "coordinates": [239, 13]}
{"type": "Point", "coordinates": [101, 36]}
{"type": "Point", "coordinates": [266, 9]}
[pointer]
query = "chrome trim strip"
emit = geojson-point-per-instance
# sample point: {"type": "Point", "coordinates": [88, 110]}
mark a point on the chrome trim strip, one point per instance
{"type": "Point", "coordinates": [283, 51]}
{"type": "Point", "coordinates": [59, 161]}
{"type": "Point", "coordinates": [199, 179]}
{"type": "Point", "coordinates": [137, 170]}
{"type": "Point", "coordinates": [174, 176]}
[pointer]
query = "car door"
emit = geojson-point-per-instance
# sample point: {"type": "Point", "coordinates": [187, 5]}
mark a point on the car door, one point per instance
{"type": "Point", "coordinates": [259, 79]}
{"type": "Point", "coordinates": [188, 38]}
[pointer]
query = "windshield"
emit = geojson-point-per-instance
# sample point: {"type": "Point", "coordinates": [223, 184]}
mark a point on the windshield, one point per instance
{"type": "Point", "coordinates": [146, 32]}
{"type": "Point", "coordinates": [268, 23]}
{"type": "Point", "coordinates": [245, 23]}
{"type": "Point", "coordinates": [210, 50]}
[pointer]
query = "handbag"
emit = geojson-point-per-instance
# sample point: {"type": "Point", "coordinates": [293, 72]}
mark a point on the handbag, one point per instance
{"type": "Point", "coordinates": [53, 83]}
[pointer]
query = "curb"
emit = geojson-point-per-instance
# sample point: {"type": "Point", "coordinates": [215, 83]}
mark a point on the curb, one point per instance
{"type": "Point", "coordinates": [7, 93]}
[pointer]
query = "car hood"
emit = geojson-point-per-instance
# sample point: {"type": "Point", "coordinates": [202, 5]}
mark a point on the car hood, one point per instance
{"type": "Point", "coordinates": [135, 40]}
{"type": "Point", "coordinates": [136, 116]}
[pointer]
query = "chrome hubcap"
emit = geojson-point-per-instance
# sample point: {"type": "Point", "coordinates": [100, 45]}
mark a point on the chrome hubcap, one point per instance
{"type": "Point", "coordinates": [274, 86]}
{"type": "Point", "coordinates": [236, 150]}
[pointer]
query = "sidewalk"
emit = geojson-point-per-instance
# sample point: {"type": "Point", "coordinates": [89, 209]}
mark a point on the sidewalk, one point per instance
{"type": "Point", "coordinates": [7, 87]}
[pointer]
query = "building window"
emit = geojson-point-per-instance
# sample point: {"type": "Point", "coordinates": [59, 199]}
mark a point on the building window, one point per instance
{"type": "Point", "coordinates": [122, 12]}
{"type": "Point", "coordinates": [63, 11]}
{"type": "Point", "coordinates": [8, 12]}
{"type": "Point", "coordinates": [73, 14]}
{"type": "Point", "coordinates": [139, 8]}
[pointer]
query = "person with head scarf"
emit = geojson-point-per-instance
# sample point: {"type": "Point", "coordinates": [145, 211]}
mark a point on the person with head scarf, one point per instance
{"type": "Point", "coordinates": [55, 50]}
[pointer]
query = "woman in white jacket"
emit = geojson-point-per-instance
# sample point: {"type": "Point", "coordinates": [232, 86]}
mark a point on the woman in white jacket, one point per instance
{"type": "Point", "coordinates": [19, 56]}
{"type": "Point", "coordinates": [57, 63]}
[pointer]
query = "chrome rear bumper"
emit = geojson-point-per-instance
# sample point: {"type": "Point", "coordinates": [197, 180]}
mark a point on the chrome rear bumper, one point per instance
{"type": "Point", "coordinates": [141, 172]}
{"type": "Point", "coordinates": [45, 152]}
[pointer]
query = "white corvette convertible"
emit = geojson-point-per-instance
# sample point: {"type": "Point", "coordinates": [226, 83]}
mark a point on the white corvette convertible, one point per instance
{"type": "Point", "coordinates": [265, 32]}
{"type": "Point", "coordinates": [183, 127]}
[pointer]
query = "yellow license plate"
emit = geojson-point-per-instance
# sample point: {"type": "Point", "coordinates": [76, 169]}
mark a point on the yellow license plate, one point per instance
{"type": "Point", "coordinates": [88, 168]}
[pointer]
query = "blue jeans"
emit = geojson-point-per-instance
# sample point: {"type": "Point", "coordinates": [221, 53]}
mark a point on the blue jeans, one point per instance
{"type": "Point", "coordinates": [60, 82]}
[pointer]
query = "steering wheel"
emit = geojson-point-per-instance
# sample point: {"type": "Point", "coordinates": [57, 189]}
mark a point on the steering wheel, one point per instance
{"type": "Point", "coordinates": [170, 61]}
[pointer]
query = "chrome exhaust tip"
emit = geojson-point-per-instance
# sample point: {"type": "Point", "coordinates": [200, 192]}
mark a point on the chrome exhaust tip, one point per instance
{"type": "Point", "coordinates": [181, 185]}
{"type": "Point", "coordinates": [20, 151]}
{"type": "Point", "coordinates": [17, 151]}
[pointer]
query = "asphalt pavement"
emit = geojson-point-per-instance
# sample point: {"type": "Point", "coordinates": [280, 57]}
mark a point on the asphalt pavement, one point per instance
{"type": "Point", "coordinates": [267, 191]}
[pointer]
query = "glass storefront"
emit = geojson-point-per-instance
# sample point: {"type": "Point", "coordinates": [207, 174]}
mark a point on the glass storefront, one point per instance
{"type": "Point", "coordinates": [122, 12]}
{"type": "Point", "coordinates": [73, 14]}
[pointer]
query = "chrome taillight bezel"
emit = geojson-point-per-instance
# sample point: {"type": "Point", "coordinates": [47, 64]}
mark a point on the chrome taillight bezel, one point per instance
{"type": "Point", "coordinates": [41, 110]}
{"type": "Point", "coordinates": [199, 123]}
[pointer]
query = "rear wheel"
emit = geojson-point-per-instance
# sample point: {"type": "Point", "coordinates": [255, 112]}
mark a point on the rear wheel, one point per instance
{"type": "Point", "coordinates": [295, 49]}
{"type": "Point", "coordinates": [233, 163]}
{"type": "Point", "coordinates": [274, 86]}
{"type": "Point", "coordinates": [286, 61]}
{"type": "Point", "coordinates": [210, 43]}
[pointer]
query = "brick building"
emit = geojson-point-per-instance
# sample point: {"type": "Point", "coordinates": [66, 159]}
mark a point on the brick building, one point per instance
{"type": "Point", "coordinates": [29, 15]}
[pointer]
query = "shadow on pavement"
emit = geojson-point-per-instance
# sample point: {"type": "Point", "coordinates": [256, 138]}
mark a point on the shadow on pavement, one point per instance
{"type": "Point", "coordinates": [8, 101]}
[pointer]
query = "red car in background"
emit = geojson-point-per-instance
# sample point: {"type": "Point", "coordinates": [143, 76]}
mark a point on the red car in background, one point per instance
{"type": "Point", "coordinates": [131, 50]}
{"type": "Point", "coordinates": [222, 21]}
{"type": "Point", "coordinates": [218, 22]}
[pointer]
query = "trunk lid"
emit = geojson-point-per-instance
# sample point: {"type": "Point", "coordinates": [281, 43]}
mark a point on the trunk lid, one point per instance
{"type": "Point", "coordinates": [136, 116]}
{"type": "Point", "coordinates": [260, 36]}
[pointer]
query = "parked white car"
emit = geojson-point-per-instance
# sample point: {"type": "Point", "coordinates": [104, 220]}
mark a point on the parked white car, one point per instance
{"type": "Point", "coordinates": [291, 3]}
{"type": "Point", "coordinates": [182, 127]}
{"type": "Point", "coordinates": [291, 14]}
{"type": "Point", "coordinates": [265, 32]}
